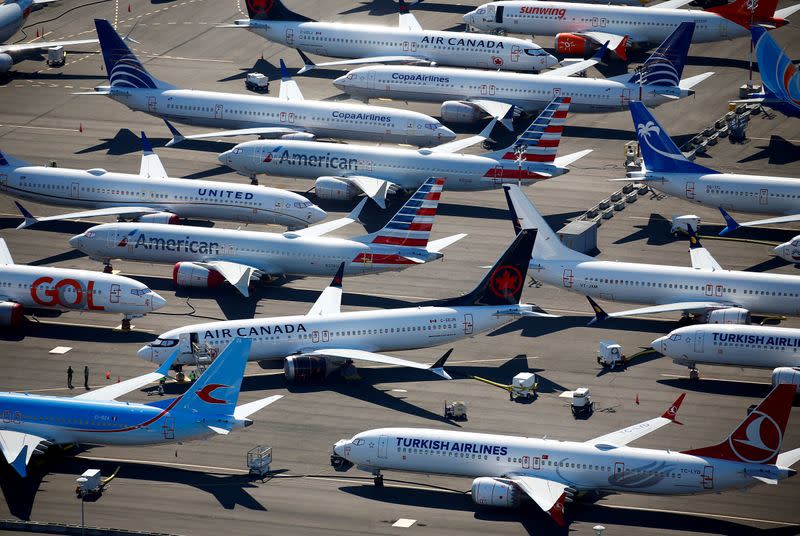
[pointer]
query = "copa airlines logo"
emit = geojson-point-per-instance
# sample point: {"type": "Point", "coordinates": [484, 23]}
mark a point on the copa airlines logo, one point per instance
{"type": "Point", "coordinates": [659, 71]}
{"type": "Point", "coordinates": [644, 131]}
{"type": "Point", "coordinates": [506, 281]}
{"type": "Point", "coordinates": [421, 78]}
{"type": "Point", "coordinates": [128, 72]}
{"type": "Point", "coordinates": [758, 439]}
{"type": "Point", "coordinates": [205, 394]}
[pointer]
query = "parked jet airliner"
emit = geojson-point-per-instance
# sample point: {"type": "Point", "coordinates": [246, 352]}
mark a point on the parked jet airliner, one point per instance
{"type": "Point", "coordinates": [779, 75]}
{"type": "Point", "coordinates": [552, 472]}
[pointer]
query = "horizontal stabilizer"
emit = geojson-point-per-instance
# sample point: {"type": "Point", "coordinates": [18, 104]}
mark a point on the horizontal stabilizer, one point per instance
{"type": "Point", "coordinates": [261, 132]}
{"type": "Point", "coordinates": [116, 390]}
{"type": "Point", "coordinates": [567, 159]}
{"type": "Point", "coordinates": [438, 245]}
{"type": "Point", "coordinates": [245, 410]}
{"type": "Point", "coordinates": [218, 430]}
{"type": "Point", "coordinates": [788, 458]}
{"type": "Point", "coordinates": [689, 83]}
{"type": "Point", "coordinates": [30, 219]}
{"type": "Point", "coordinates": [329, 226]}
{"type": "Point", "coordinates": [786, 12]}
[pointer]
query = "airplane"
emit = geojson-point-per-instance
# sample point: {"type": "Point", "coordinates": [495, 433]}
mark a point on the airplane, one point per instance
{"type": "Point", "coordinates": [288, 116]}
{"type": "Point", "coordinates": [206, 257]}
{"type": "Point", "coordinates": [13, 14]}
{"type": "Point", "coordinates": [33, 423]}
{"type": "Point", "coordinates": [552, 472]}
{"type": "Point", "coordinates": [24, 287]}
{"type": "Point", "coordinates": [464, 93]}
{"type": "Point", "coordinates": [578, 27]}
{"type": "Point", "coordinates": [343, 171]}
{"type": "Point", "coordinates": [406, 43]}
{"type": "Point", "coordinates": [311, 347]}
{"type": "Point", "coordinates": [151, 196]}
{"type": "Point", "coordinates": [666, 169]}
{"type": "Point", "coordinates": [789, 251]}
{"type": "Point", "coordinates": [735, 345]}
{"type": "Point", "coordinates": [704, 291]}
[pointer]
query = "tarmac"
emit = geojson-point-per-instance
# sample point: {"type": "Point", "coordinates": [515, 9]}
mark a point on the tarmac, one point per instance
{"type": "Point", "coordinates": [202, 487]}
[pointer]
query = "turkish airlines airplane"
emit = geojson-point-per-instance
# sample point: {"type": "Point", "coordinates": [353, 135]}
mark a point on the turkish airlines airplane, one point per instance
{"type": "Point", "coordinates": [206, 257]}
{"type": "Point", "coordinates": [666, 169]}
{"type": "Point", "coordinates": [62, 289]}
{"type": "Point", "coordinates": [551, 472]}
{"type": "Point", "coordinates": [344, 171]}
{"type": "Point", "coordinates": [704, 290]}
{"type": "Point", "coordinates": [779, 75]}
{"type": "Point", "coordinates": [578, 27]}
{"type": "Point", "coordinates": [789, 251]}
{"type": "Point", "coordinates": [151, 196]}
{"type": "Point", "coordinates": [287, 116]}
{"type": "Point", "coordinates": [325, 340]}
{"type": "Point", "coordinates": [406, 43]}
{"type": "Point", "coordinates": [464, 93]}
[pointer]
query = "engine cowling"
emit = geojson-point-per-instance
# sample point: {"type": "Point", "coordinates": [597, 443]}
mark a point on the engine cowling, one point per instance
{"type": "Point", "coordinates": [302, 136]}
{"type": "Point", "coordinates": [789, 375]}
{"type": "Point", "coordinates": [11, 315]}
{"type": "Point", "coordinates": [160, 217]}
{"type": "Point", "coordinates": [490, 492]}
{"type": "Point", "coordinates": [189, 274]}
{"type": "Point", "coordinates": [729, 315]}
{"type": "Point", "coordinates": [572, 45]}
{"type": "Point", "coordinates": [307, 368]}
{"type": "Point", "coordinates": [459, 112]}
{"type": "Point", "coordinates": [6, 63]}
{"type": "Point", "coordinates": [335, 188]}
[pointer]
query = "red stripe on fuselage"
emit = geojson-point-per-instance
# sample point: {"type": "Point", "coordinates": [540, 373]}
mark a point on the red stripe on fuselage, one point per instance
{"type": "Point", "coordinates": [397, 241]}
{"type": "Point", "coordinates": [531, 157]}
{"type": "Point", "coordinates": [137, 426]}
{"type": "Point", "coordinates": [382, 259]}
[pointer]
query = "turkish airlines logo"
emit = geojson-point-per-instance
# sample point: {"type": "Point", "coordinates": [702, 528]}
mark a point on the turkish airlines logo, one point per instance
{"type": "Point", "coordinates": [505, 282]}
{"type": "Point", "coordinates": [260, 7]}
{"type": "Point", "coordinates": [673, 410]}
{"type": "Point", "coordinates": [758, 439]}
{"type": "Point", "coordinates": [205, 395]}
{"type": "Point", "coordinates": [44, 293]}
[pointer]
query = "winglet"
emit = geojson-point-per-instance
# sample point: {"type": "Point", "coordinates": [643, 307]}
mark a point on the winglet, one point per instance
{"type": "Point", "coordinates": [167, 364]}
{"type": "Point", "coordinates": [514, 217]}
{"type": "Point", "coordinates": [672, 411]}
{"type": "Point", "coordinates": [337, 279]}
{"type": "Point", "coordinates": [147, 148]}
{"type": "Point", "coordinates": [694, 242]}
{"type": "Point", "coordinates": [438, 367]}
{"type": "Point", "coordinates": [177, 137]}
{"type": "Point", "coordinates": [29, 218]}
{"type": "Point", "coordinates": [284, 71]}
{"type": "Point", "coordinates": [307, 63]}
{"type": "Point", "coordinates": [730, 223]}
{"type": "Point", "coordinates": [599, 313]}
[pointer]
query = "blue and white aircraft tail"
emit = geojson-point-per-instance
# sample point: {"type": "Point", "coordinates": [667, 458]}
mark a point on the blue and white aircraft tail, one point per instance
{"type": "Point", "coordinates": [123, 67]}
{"type": "Point", "coordinates": [665, 65]}
{"type": "Point", "coordinates": [779, 75]}
{"type": "Point", "coordinates": [10, 161]}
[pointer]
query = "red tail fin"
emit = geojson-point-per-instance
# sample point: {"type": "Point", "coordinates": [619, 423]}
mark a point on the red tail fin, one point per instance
{"type": "Point", "coordinates": [745, 12]}
{"type": "Point", "coordinates": [758, 438]}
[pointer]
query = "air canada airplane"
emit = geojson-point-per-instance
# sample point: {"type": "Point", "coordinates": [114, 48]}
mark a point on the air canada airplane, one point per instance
{"type": "Point", "coordinates": [151, 196]}
{"type": "Point", "coordinates": [206, 257]}
{"type": "Point", "coordinates": [33, 423]}
{"type": "Point", "coordinates": [33, 288]}
{"type": "Point", "coordinates": [406, 43]}
{"type": "Point", "coordinates": [551, 472]}
{"type": "Point", "coordinates": [287, 116]}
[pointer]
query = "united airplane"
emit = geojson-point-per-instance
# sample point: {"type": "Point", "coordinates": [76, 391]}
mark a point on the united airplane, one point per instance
{"type": "Point", "coordinates": [343, 171]}
{"type": "Point", "coordinates": [206, 257]}
{"type": "Point", "coordinates": [35, 288]}
{"type": "Point", "coordinates": [705, 290]}
{"type": "Point", "coordinates": [552, 472]}
{"type": "Point", "coordinates": [778, 74]}
{"type": "Point", "coordinates": [314, 345]}
{"type": "Point", "coordinates": [151, 196]}
{"type": "Point", "coordinates": [287, 116]}
{"type": "Point", "coordinates": [464, 93]}
{"type": "Point", "coordinates": [406, 43]}
{"type": "Point", "coordinates": [33, 423]}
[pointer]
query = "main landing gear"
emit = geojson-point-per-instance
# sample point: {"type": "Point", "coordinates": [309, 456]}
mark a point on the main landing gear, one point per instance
{"type": "Point", "coordinates": [377, 478]}
{"type": "Point", "coordinates": [254, 179]}
{"type": "Point", "coordinates": [107, 268]}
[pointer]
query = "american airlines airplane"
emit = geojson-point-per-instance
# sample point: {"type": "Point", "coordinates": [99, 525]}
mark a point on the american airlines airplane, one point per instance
{"type": "Point", "coordinates": [33, 423]}
{"type": "Point", "coordinates": [779, 75]}
{"type": "Point", "coordinates": [34, 288]}
{"type": "Point", "coordinates": [151, 196]}
{"type": "Point", "coordinates": [551, 472]}
{"type": "Point", "coordinates": [666, 169]}
{"type": "Point", "coordinates": [406, 43]}
{"type": "Point", "coordinates": [578, 27]}
{"type": "Point", "coordinates": [288, 116]}
{"type": "Point", "coordinates": [325, 340]}
{"type": "Point", "coordinates": [465, 92]}
{"type": "Point", "coordinates": [344, 171]}
{"type": "Point", "coordinates": [704, 290]}
{"type": "Point", "coordinates": [206, 257]}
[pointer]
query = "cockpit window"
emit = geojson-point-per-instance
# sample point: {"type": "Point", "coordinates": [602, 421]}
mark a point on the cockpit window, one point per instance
{"type": "Point", "coordinates": [89, 234]}
{"type": "Point", "coordinates": [675, 337]}
{"type": "Point", "coordinates": [357, 442]}
{"type": "Point", "coordinates": [306, 204]}
{"type": "Point", "coordinates": [535, 52]}
{"type": "Point", "coordinates": [796, 243]}
{"type": "Point", "coordinates": [164, 343]}
{"type": "Point", "coordinates": [140, 291]}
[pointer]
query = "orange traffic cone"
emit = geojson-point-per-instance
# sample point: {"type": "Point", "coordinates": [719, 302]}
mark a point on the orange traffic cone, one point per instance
{"type": "Point", "coordinates": [118, 380]}
{"type": "Point", "coordinates": [108, 374]}
{"type": "Point", "coordinates": [129, 8]}
{"type": "Point", "coordinates": [37, 32]}
{"type": "Point", "coordinates": [637, 399]}
{"type": "Point", "coordinates": [80, 127]}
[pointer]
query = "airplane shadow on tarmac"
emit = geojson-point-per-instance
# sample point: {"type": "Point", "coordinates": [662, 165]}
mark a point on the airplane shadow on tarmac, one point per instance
{"type": "Point", "coordinates": [388, 7]}
{"type": "Point", "coordinates": [778, 151]}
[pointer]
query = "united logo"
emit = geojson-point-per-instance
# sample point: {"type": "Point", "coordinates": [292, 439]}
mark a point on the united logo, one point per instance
{"type": "Point", "coordinates": [506, 281]}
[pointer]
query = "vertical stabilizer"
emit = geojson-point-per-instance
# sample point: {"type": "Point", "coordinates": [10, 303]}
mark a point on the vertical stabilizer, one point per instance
{"type": "Point", "coordinates": [539, 142]}
{"type": "Point", "coordinates": [665, 65]}
{"type": "Point", "coordinates": [273, 10]}
{"type": "Point", "coordinates": [123, 67]}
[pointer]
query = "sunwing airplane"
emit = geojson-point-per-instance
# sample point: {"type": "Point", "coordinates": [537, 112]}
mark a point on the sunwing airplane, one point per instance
{"type": "Point", "coordinates": [62, 289]}
{"type": "Point", "coordinates": [151, 196]}
{"type": "Point", "coordinates": [287, 116]}
{"type": "Point", "coordinates": [578, 27]}
{"type": "Point", "coordinates": [406, 43]}
{"type": "Point", "coordinates": [314, 345]}
{"type": "Point", "coordinates": [205, 257]}
{"type": "Point", "coordinates": [464, 93]}
{"type": "Point", "coordinates": [343, 171]}
{"type": "Point", "coordinates": [551, 472]}
{"type": "Point", "coordinates": [704, 290]}
{"type": "Point", "coordinates": [666, 169]}
{"type": "Point", "coordinates": [32, 423]}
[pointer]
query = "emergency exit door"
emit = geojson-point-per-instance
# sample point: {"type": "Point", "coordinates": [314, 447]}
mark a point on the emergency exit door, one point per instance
{"type": "Point", "coordinates": [763, 196]}
{"type": "Point", "coordinates": [151, 104]}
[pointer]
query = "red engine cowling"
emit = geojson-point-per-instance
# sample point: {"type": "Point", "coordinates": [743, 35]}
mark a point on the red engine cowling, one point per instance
{"type": "Point", "coordinates": [11, 315]}
{"type": "Point", "coordinates": [160, 217]}
{"type": "Point", "coordinates": [729, 315]}
{"type": "Point", "coordinates": [306, 368]}
{"type": "Point", "coordinates": [189, 274]}
{"type": "Point", "coordinates": [572, 45]}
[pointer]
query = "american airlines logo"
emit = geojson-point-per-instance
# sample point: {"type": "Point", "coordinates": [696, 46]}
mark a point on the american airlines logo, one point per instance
{"type": "Point", "coordinates": [312, 160]}
{"type": "Point", "coordinates": [550, 11]}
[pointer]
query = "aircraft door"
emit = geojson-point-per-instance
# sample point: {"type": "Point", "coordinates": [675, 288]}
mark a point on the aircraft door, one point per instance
{"type": "Point", "coordinates": [405, 46]}
{"type": "Point", "coordinates": [515, 52]}
{"type": "Point", "coordinates": [168, 428]}
{"type": "Point", "coordinates": [619, 471]}
{"type": "Point", "coordinates": [315, 336]}
{"type": "Point", "coordinates": [75, 190]}
{"type": "Point", "coordinates": [371, 80]}
{"type": "Point", "coordinates": [625, 98]}
{"type": "Point", "coordinates": [492, 89]}
{"type": "Point", "coordinates": [690, 190]}
{"type": "Point", "coordinates": [698, 342]}
{"type": "Point", "coordinates": [536, 464]}
{"type": "Point", "coordinates": [6, 415]}
{"type": "Point", "coordinates": [289, 36]}
{"type": "Point", "coordinates": [763, 196]}
{"type": "Point", "coordinates": [114, 293]}
{"type": "Point", "coordinates": [468, 324]}
{"type": "Point", "coordinates": [498, 16]}
{"type": "Point", "coordinates": [112, 237]}
{"type": "Point", "coordinates": [326, 336]}
{"type": "Point", "coordinates": [218, 111]}
{"type": "Point", "coordinates": [526, 462]}
{"type": "Point", "coordinates": [151, 104]}
{"type": "Point", "coordinates": [185, 341]}
{"type": "Point", "coordinates": [567, 278]}
{"type": "Point", "coordinates": [723, 29]}
{"type": "Point", "coordinates": [383, 441]}
{"type": "Point", "coordinates": [708, 477]}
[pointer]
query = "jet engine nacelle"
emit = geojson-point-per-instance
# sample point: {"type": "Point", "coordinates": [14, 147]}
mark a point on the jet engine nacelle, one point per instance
{"type": "Point", "coordinates": [160, 217]}
{"type": "Point", "coordinates": [302, 136]}
{"type": "Point", "coordinates": [307, 368]}
{"type": "Point", "coordinates": [6, 63]}
{"type": "Point", "coordinates": [189, 274]}
{"type": "Point", "coordinates": [487, 491]}
{"type": "Point", "coordinates": [11, 315]}
{"type": "Point", "coordinates": [335, 188]}
{"type": "Point", "coordinates": [729, 315]}
{"type": "Point", "coordinates": [459, 112]}
{"type": "Point", "coordinates": [572, 45]}
{"type": "Point", "coordinates": [789, 375]}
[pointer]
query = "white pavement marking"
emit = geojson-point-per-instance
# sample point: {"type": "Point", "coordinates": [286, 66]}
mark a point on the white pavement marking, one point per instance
{"type": "Point", "coordinates": [39, 128]}
{"type": "Point", "coordinates": [700, 514]}
{"type": "Point", "coordinates": [60, 350]}
{"type": "Point", "coordinates": [404, 523]}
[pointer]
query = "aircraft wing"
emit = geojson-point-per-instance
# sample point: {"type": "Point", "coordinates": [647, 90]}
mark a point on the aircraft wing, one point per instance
{"type": "Point", "coordinates": [39, 45]}
{"type": "Point", "coordinates": [116, 390]}
{"type": "Point", "coordinates": [408, 21]}
{"type": "Point", "coordinates": [567, 159]}
{"type": "Point", "coordinates": [235, 273]}
{"type": "Point", "coordinates": [578, 66]}
{"type": "Point", "coordinates": [375, 189]}
{"type": "Point", "coordinates": [458, 145]}
{"type": "Point", "coordinates": [309, 65]}
{"type": "Point", "coordinates": [5, 253]}
{"type": "Point", "coordinates": [243, 411]}
{"type": "Point", "coordinates": [18, 448]}
{"type": "Point", "coordinates": [786, 12]}
{"type": "Point", "coordinates": [671, 4]}
{"type": "Point", "coordinates": [330, 301]}
{"type": "Point", "coordinates": [632, 433]}
{"type": "Point", "coordinates": [289, 89]}
{"type": "Point", "coordinates": [499, 110]}
{"type": "Point", "coordinates": [30, 219]}
{"type": "Point", "coordinates": [732, 225]}
{"type": "Point", "coordinates": [151, 166]}
{"type": "Point", "coordinates": [328, 226]}
{"type": "Point", "coordinates": [689, 307]}
{"type": "Point", "coordinates": [361, 355]}
{"type": "Point", "coordinates": [262, 132]}
{"type": "Point", "coordinates": [550, 496]}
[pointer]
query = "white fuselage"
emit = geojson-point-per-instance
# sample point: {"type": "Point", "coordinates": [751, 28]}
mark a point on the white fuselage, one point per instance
{"type": "Point", "coordinates": [789, 251]}
{"type": "Point", "coordinates": [455, 49]}
{"type": "Point", "coordinates": [12, 15]}
{"type": "Point", "coordinates": [643, 26]}
{"type": "Point", "coordinates": [98, 188]}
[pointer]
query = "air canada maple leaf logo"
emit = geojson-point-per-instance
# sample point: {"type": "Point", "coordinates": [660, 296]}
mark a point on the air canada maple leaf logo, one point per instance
{"type": "Point", "coordinates": [505, 282]}
{"type": "Point", "coordinates": [260, 7]}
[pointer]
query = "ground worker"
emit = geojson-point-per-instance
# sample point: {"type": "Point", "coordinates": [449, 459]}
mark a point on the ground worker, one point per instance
{"type": "Point", "coordinates": [86, 377]}
{"type": "Point", "coordinates": [69, 378]}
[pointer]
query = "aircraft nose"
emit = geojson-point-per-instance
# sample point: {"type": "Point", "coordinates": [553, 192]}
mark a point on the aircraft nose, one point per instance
{"type": "Point", "coordinates": [76, 241]}
{"type": "Point", "coordinates": [146, 353]}
{"type": "Point", "coordinates": [659, 345]}
{"type": "Point", "coordinates": [469, 17]}
{"type": "Point", "coordinates": [224, 158]}
{"type": "Point", "coordinates": [156, 301]}
{"type": "Point", "coordinates": [552, 61]}
{"type": "Point", "coordinates": [341, 82]}
{"type": "Point", "coordinates": [778, 250]}
{"type": "Point", "coordinates": [445, 133]}
{"type": "Point", "coordinates": [316, 214]}
{"type": "Point", "coordinates": [338, 447]}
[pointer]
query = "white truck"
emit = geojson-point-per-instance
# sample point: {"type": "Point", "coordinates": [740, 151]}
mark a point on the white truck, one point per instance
{"type": "Point", "coordinates": [257, 82]}
{"type": "Point", "coordinates": [581, 404]}
{"type": "Point", "coordinates": [523, 385]}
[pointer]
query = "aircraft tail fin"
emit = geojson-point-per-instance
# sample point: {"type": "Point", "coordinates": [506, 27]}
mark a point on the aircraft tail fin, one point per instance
{"type": "Point", "coordinates": [747, 13]}
{"type": "Point", "coordinates": [273, 10]}
{"type": "Point", "coordinates": [780, 77]}
{"type": "Point", "coordinates": [758, 438]}
{"type": "Point", "coordinates": [122, 66]}
{"type": "Point", "coordinates": [665, 65]}
{"type": "Point", "coordinates": [10, 161]}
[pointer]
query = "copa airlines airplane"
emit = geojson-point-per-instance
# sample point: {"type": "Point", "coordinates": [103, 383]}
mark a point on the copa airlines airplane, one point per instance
{"type": "Point", "coordinates": [579, 26]}
{"type": "Point", "coordinates": [705, 289]}
{"type": "Point", "coordinates": [464, 93]}
{"type": "Point", "coordinates": [32, 423]}
{"type": "Point", "coordinates": [62, 289]}
{"type": "Point", "coordinates": [314, 345]}
{"type": "Point", "coordinates": [665, 168]}
{"type": "Point", "coordinates": [407, 43]}
{"type": "Point", "coordinates": [287, 116]}
{"type": "Point", "coordinates": [778, 74]}
{"type": "Point", "coordinates": [151, 196]}
{"type": "Point", "coordinates": [343, 171]}
{"type": "Point", "coordinates": [205, 257]}
{"type": "Point", "coordinates": [551, 472]}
